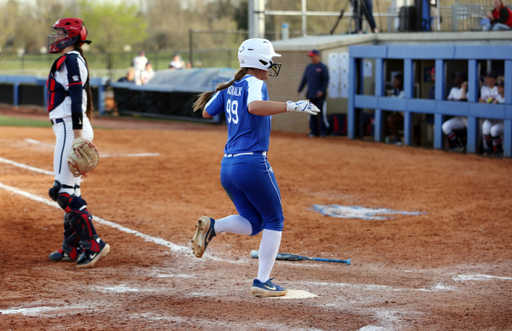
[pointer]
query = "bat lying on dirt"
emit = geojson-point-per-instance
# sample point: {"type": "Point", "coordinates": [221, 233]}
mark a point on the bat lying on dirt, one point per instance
{"type": "Point", "coordinates": [295, 257]}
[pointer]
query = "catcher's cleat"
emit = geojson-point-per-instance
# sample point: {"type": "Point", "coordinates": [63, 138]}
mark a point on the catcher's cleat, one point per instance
{"type": "Point", "coordinates": [89, 257]}
{"type": "Point", "coordinates": [61, 255]}
{"type": "Point", "coordinates": [204, 234]}
{"type": "Point", "coordinates": [267, 289]}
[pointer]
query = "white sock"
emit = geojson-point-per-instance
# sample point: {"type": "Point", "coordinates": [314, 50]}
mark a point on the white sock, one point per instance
{"type": "Point", "coordinates": [233, 224]}
{"type": "Point", "coordinates": [269, 247]}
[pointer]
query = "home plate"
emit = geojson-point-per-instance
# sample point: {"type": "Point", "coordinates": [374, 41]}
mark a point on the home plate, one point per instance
{"type": "Point", "coordinates": [296, 294]}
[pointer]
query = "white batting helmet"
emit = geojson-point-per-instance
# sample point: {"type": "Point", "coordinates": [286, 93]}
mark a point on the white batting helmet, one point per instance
{"type": "Point", "coordinates": [258, 53]}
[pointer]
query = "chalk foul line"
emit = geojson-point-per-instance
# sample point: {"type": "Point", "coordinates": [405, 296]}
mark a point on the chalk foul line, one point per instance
{"type": "Point", "coordinates": [175, 248]}
{"type": "Point", "coordinates": [24, 166]}
{"type": "Point", "coordinates": [37, 142]}
{"type": "Point", "coordinates": [159, 241]}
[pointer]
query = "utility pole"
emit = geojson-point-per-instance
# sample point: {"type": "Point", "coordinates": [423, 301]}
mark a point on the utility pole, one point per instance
{"type": "Point", "coordinates": [256, 18]}
{"type": "Point", "coordinates": [191, 47]}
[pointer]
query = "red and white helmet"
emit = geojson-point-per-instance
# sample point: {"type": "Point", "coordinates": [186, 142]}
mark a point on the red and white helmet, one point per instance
{"type": "Point", "coordinates": [67, 31]}
{"type": "Point", "coordinates": [258, 53]}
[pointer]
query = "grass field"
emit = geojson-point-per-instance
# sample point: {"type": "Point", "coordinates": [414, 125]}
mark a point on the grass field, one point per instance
{"type": "Point", "coordinates": [23, 122]}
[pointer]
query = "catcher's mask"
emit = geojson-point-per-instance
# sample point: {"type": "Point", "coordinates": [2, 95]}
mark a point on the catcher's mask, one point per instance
{"type": "Point", "coordinates": [66, 32]}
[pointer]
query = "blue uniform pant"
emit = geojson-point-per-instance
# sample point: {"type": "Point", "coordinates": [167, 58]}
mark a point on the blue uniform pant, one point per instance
{"type": "Point", "coordinates": [250, 183]}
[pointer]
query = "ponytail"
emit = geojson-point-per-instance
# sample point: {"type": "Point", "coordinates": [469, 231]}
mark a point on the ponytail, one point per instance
{"type": "Point", "coordinates": [205, 97]}
{"type": "Point", "coordinates": [87, 88]}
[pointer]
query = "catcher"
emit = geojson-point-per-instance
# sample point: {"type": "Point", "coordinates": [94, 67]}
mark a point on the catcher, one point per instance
{"type": "Point", "coordinates": [69, 102]}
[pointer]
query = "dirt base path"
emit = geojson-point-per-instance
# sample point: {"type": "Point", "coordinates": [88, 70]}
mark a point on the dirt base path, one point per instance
{"type": "Point", "coordinates": [448, 268]}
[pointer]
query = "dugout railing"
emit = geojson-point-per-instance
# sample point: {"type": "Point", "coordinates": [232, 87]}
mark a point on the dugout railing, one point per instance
{"type": "Point", "coordinates": [440, 107]}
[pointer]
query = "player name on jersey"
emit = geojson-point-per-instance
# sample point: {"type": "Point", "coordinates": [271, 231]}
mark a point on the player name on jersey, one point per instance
{"type": "Point", "coordinates": [234, 90]}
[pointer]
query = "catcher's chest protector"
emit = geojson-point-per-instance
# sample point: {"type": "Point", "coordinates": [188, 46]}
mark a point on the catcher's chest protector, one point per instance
{"type": "Point", "coordinates": [56, 93]}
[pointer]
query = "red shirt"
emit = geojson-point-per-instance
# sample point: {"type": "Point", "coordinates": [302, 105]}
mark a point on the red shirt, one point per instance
{"type": "Point", "coordinates": [504, 16]}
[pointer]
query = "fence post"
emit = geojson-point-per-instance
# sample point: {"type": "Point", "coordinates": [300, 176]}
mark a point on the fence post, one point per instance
{"type": "Point", "coordinates": [360, 111]}
{"type": "Point", "coordinates": [507, 130]}
{"type": "Point", "coordinates": [379, 92]}
{"type": "Point", "coordinates": [408, 94]}
{"type": "Point", "coordinates": [439, 118]}
{"type": "Point", "coordinates": [16, 94]}
{"type": "Point", "coordinates": [351, 112]}
{"type": "Point", "coordinates": [191, 47]}
{"type": "Point", "coordinates": [472, 141]}
{"type": "Point", "coordinates": [101, 97]}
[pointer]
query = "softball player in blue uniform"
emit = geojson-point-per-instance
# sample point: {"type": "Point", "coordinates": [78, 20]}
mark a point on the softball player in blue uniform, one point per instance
{"type": "Point", "coordinates": [246, 175]}
{"type": "Point", "coordinates": [69, 102]}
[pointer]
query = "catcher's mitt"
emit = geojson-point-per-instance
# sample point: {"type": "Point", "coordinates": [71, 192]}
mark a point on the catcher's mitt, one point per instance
{"type": "Point", "coordinates": [83, 157]}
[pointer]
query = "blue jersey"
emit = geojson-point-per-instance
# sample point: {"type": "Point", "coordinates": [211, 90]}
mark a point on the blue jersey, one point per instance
{"type": "Point", "coordinates": [246, 132]}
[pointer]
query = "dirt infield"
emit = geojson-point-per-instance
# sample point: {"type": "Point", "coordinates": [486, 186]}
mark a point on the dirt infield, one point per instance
{"type": "Point", "coordinates": [448, 268]}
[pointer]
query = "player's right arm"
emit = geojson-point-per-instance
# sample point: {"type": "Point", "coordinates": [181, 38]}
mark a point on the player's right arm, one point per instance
{"type": "Point", "coordinates": [214, 106]}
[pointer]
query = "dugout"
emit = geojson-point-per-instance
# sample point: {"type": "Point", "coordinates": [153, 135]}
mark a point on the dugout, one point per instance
{"type": "Point", "coordinates": [294, 59]}
{"type": "Point", "coordinates": [170, 93]}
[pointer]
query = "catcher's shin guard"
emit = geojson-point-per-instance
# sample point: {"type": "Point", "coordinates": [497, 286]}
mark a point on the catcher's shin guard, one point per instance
{"type": "Point", "coordinates": [81, 221]}
{"type": "Point", "coordinates": [70, 249]}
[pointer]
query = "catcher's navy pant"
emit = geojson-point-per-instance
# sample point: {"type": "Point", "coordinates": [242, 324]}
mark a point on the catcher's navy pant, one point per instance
{"type": "Point", "coordinates": [250, 183]}
{"type": "Point", "coordinates": [63, 129]}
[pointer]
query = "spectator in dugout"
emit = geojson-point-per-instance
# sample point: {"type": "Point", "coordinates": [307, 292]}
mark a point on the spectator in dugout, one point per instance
{"type": "Point", "coordinates": [457, 93]}
{"type": "Point", "coordinates": [500, 18]}
{"type": "Point", "coordinates": [396, 118]}
{"type": "Point", "coordinates": [492, 129]}
{"type": "Point", "coordinates": [489, 91]}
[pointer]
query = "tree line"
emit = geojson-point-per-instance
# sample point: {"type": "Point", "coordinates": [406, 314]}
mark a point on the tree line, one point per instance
{"type": "Point", "coordinates": [151, 25]}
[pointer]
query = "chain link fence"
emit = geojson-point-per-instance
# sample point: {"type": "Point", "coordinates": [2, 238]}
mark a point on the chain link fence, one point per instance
{"type": "Point", "coordinates": [457, 15]}
{"type": "Point", "coordinates": [115, 65]}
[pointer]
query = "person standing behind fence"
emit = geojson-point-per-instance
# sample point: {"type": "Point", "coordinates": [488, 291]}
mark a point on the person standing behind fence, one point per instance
{"type": "Point", "coordinates": [139, 64]}
{"type": "Point", "coordinates": [129, 78]}
{"type": "Point", "coordinates": [366, 11]}
{"type": "Point", "coordinates": [316, 76]}
{"type": "Point", "coordinates": [500, 18]}
{"type": "Point", "coordinates": [177, 62]}
{"type": "Point", "coordinates": [147, 74]}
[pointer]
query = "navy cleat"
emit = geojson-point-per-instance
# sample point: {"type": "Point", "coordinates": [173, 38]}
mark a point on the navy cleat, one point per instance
{"type": "Point", "coordinates": [267, 289]}
{"type": "Point", "coordinates": [63, 256]}
{"type": "Point", "coordinates": [204, 234]}
{"type": "Point", "coordinates": [89, 257]}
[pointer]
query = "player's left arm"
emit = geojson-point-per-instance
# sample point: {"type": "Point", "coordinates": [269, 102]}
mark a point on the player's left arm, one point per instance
{"type": "Point", "coordinates": [75, 89]}
{"type": "Point", "coordinates": [266, 108]}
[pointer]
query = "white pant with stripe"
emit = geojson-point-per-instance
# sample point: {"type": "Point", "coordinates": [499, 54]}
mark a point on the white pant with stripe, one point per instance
{"type": "Point", "coordinates": [63, 129]}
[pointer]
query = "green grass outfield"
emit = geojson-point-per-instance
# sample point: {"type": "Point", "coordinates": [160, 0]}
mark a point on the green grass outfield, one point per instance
{"type": "Point", "coordinates": [24, 122]}
{"type": "Point", "coordinates": [14, 121]}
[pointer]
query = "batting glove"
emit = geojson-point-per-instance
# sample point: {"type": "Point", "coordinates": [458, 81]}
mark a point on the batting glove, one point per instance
{"type": "Point", "coordinates": [302, 106]}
